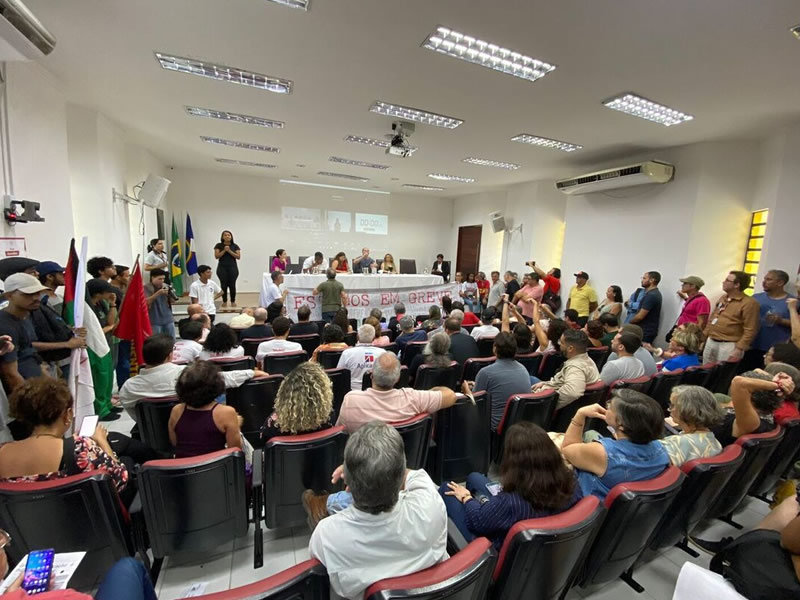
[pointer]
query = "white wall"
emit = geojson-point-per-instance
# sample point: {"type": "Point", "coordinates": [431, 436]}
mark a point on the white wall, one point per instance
{"type": "Point", "coordinates": [250, 207]}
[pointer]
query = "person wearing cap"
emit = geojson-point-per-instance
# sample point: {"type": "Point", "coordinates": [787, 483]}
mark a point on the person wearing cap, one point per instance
{"type": "Point", "coordinates": [644, 306]}
{"type": "Point", "coordinates": [696, 306]}
{"type": "Point", "coordinates": [51, 276]}
{"type": "Point", "coordinates": [582, 297]}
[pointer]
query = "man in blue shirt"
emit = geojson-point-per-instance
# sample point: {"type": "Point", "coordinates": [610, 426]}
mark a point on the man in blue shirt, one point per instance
{"type": "Point", "coordinates": [644, 306]}
{"type": "Point", "coordinates": [775, 326]}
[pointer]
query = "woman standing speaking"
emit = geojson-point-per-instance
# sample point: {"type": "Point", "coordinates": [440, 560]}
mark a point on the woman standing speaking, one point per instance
{"type": "Point", "coordinates": [227, 252]}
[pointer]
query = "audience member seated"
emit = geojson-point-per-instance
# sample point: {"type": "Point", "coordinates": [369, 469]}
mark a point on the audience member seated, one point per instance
{"type": "Point", "coordinates": [278, 344]}
{"type": "Point", "coordinates": [377, 314]}
{"type": "Point", "coordinates": [399, 313]}
{"type": "Point", "coordinates": [157, 379]}
{"type": "Point", "coordinates": [205, 321]}
{"type": "Point", "coordinates": [221, 342]}
{"type": "Point", "coordinates": [387, 266]}
{"type": "Point", "coordinates": [486, 329]}
{"type": "Point", "coordinates": [303, 404]}
{"type": "Point", "coordinates": [534, 482]}
{"type": "Point", "coordinates": [360, 358]}
{"type": "Point", "coordinates": [694, 410]}
{"type": "Point", "coordinates": [434, 319]}
{"type": "Point", "coordinates": [188, 347]}
{"type": "Point", "coordinates": [245, 318]}
{"type": "Point", "coordinates": [572, 319]}
{"type": "Point", "coordinates": [191, 310]}
{"type": "Point", "coordinates": [648, 362]}
{"type": "Point", "coordinates": [462, 346]}
{"type": "Point", "coordinates": [524, 337]}
{"type": "Point", "coordinates": [409, 334]}
{"type": "Point", "coordinates": [340, 318]}
{"type": "Point", "coordinates": [611, 304]}
{"type": "Point", "coordinates": [259, 328]}
{"type": "Point", "coordinates": [578, 371]}
{"type": "Point", "coordinates": [332, 339]}
{"type": "Point", "coordinates": [380, 340]}
{"type": "Point", "coordinates": [755, 395]}
{"type": "Point", "coordinates": [274, 310]}
{"type": "Point", "coordinates": [610, 325]}
{"type": "Point", "coordinates": [595, 332]}
{"type": "Point", "coordinates": [786, 353]}
{"type": "Point", "coordinates": [382, 402]}
{"type": "Point", "coordinates": [502, 379]}
{"type": "Point", "coordinates": [304, 326]}
{"type": "Point", "coordinates": [684, 346]}
{"type": "Point", "coordinates": [436, 353]}
{"type": "Point", "coordinates": [788, 410]}
{"type": "Point", "coordinates": [625, 365]}
{"type": "Point", "coordinates": [339, 263]}
{"type": "Point", "coordinates": [447, 306]}
{"type": "Point", "coordinates": [383, 533]}
{"type": "Point", "coordinates": [199, 424]}
{"type": "Point", "coordinates": [467, 318]}
{"type": "Point", "coordinates": [633, 454]}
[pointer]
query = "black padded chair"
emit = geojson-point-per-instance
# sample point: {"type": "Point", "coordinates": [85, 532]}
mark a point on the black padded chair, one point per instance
{"type": "Point", "coordinates": [284, 364]}
{"type": "Point", "coordinates": [473, 365]}
{"type": "Point", "coordinates": [486, 347]}
{"type": "Point", "coordinates": [392, 347]}
{"type": "Point", "coordinates": [234, 364]}
{"type": "Point", "coordinates": [340, 381]}
{"type": "Point", "coordinates": [599, 355]}
{"type": "Point", "coordinates": [295, 463]}
{"type": "Point", "coordinates": [551, 364]}
{"type": "Point", "coordinates": [403, 382]}
{"type": "Point", "coordinates": [250, 345]}
{"type": "Point", "coordinates": [307, 580]}
{"type": "Point", "coordinates": [329, 359]}
{"type": "Point", "coordinates": [416, 433]}
{"type": "Point", "coordinates": [464, 576]}
{"type": "Point", "coordinates": [538, 407]}
{"type": "Point", "coordinates": [639, 384]}
{"type": "Point", "coordinates": [541, 558]}
{"type": "Point", "coordinates": [783, 458]}
{"type": "Point", "coordinates": [194, 504]}
{"type": "Point", "coordinates": [699, 375]}
{"type": "Point", "coordinates": [429, 377]}
{"type": "Point", "coordinates": [468, 328]}
{"type": "Point", "coordinates": [321, 326]}
{"type": "Point", "coordinates": [531, 361]}
{"type": "Point", "coordinates": [723, 375]}
{"type": "Point", "coordinates": [152, 417]}
{"type": "Point", "coordinates": [254, 400]}
{"type": "Point", "coordinates": [408, 266]}
{"type": "Point", "coordinates": [661, 386]}
{"type": "Point", "coordinates": [411, 350]}
{"type": "Point", "coordinates": [634, 511]}
{"type": "Point", "coordinates": [461, 439]}
{"type": "Point", "coordinates": [758, 448]}
{"type": "Point", "coordinates": [351, 339]}
{"type": "Point", "coordinates": [595, 393]}
{"type": "Point", "coordinates": [309, 341]}
{"type": "Point", "coordinates": [81, 513]}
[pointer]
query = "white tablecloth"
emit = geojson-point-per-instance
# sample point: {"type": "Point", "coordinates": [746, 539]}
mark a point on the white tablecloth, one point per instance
{"type": "Point", "coordinates": [362, 282]}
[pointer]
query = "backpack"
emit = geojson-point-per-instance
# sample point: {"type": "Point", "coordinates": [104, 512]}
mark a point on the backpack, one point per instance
{"type": "Point", "coordinates": [50, 327]}
{"type": "Point", "coordinates": [552, 300]}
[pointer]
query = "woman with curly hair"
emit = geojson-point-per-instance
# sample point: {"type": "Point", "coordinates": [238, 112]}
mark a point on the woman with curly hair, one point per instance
{"type": "Point", "coordinates": [534, 482]}
{"type": "Point", "coordinates": [303, 404]}
{"type": "Point", "coordinates": [221, 342]}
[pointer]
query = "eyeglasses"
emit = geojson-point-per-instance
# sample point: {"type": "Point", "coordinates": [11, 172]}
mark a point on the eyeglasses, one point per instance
{"type": "Point", "coordinates": [5, 538]}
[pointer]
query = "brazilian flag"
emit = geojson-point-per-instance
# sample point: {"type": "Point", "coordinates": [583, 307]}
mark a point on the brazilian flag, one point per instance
{"type": "Point", "coordinates": [176, 261]}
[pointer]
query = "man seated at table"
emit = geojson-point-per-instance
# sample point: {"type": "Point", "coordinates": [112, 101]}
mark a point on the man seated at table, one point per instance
{"type": "Point", "coordinates": [365, 261]}
{"type": "Point", "coordinates": [361, 358]}
{"type": "Point", "coordinates": [314, 264]}
{"type": "Point", "coordinates": [441, 268]}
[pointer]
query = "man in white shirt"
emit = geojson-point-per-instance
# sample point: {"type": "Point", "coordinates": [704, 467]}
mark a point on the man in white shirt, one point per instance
{"type": "Point", "coordinates": [396, 525]}
{"type": "Point", "coordinates": [270, 292]}
{"type": "Point", "coordinates": [626, 365]}
{"type": "Point", "coordinates": [642, 353]}
{"type": "Point", "coordinates": [279, 343]}
{"type": "Point", "coordinates": [496, 291]}
{"type": "Point", "coordinates": [204, 291]}
{"type": "Point", "coordinates": [314, 264]}
{"type": "Point", "coordinates": [188, 347]}
{"type": "Point", "coordinates": [157, 380]}
{"type": "Point", "coordinates": [361, 358]}
{"type": "Point", "coordinates": [486, 329]}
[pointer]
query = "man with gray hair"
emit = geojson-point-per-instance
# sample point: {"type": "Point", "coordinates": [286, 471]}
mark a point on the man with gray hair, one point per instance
{"type": "Point", "coordinates": [384, 403]}
{"type": "Point", "coordinates": [383, 533]}
{"type": "Point", "coordinates": [409, 333]}
{"type": "Point", "coordinates": [399, 313]}
{"type": "Point", "coordinates": [333, 296]}
{"type": "Point", "coordinates": [361, 358]}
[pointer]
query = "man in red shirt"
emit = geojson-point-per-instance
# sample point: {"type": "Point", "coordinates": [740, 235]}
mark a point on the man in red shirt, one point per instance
{"type": "Point", "coordinates": [550, 280]}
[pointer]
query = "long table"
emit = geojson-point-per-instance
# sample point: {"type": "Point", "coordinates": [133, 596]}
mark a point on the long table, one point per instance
{"type": "Point", "coordinates": [362, 282]}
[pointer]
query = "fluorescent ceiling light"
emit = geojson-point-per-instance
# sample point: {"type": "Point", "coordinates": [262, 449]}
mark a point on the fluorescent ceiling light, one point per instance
{"type": "Point", "coordinates": [235, 144]}
{"type": "Point", "coordinates": [333, 187]}
{"type": "Point", "coordinates": [342, 176]}
{"type": "Point", "coordinates": [301, 4]}
{"type": "Point", "coordinates": [358, 139]}
{"type": "Point", "coordinates": [427, 188]}
{"type": "Point", "coordinates": [243, 163]}
{"type": "Point", "coordinates": [224, 73]}
{"type": "Point", "coordinates": [357, 163]}
{"type": "Point", "coordinates": [443, 177]}
{"type": "Point", "coordinates": [414, 114]}
{"type": "Point", "coordinates": [535, 140]}
{"type": "Point", "coordinates": [224, 115]}
{"type": "Point", "coordinates": [485, 162]}
{"type": "Point", "coordinates": [476, 51]}
{"type": "Point", "coordinates": [643, 108]}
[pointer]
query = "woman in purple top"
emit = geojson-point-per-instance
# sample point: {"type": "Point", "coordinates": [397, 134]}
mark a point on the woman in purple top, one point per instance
{"type": "Point", "coordinates": [199, 425]}
{"type": "Point", "coordinates": [534, 482]}
{"type": "Point", "coordinates": [280, 262]}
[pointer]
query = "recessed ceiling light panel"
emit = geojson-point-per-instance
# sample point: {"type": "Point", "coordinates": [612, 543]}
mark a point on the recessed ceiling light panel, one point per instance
{"type": "Point", "coordinates": [224, 115]}
{"type": "Point", "coordinates": [243, 163]}
{"type": "Point", "coordinates": [443, 177]}
{"type": "Point", "coordinates": [224, 73]}
{"type": "Point", "coordinates": [358, 139]}
{"type": "Point", "coordinates": [235, 144]}
{"type": "Point", "coordinates": [300, 4]}
{"type": "Point", "coordinates": [342, 176]}
{"type": "Point", "coordinates": [332, 187]}
{"type": "Point", "coordinates": [357, 163]}
{"type": "Point", "coordinates": [427, 188]}
{"type": "Point", "coordinates": [479, 52]}
{"type": "Point", "coordinates": [535, 140]}
{"type": "Point", "coordinates": [643, 108]}
{"type": "Point", "coordinates": [485, 162]}
{"type": "Point", "coordinates": [414, 114]}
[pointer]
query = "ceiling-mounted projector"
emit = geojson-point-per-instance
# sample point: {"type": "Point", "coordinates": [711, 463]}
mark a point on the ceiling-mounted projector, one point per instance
{"type": "Point", "coordinates": [398, 139]}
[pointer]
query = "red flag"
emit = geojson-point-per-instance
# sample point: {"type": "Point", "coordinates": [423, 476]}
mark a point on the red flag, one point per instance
{"type": "Point", "coordinates": [134, 318]}
{"type": "Point", "coordinates": [70, 277]}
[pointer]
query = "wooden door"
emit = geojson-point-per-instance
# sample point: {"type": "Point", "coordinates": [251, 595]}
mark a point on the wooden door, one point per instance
{"type": "Point", "coordinates": [469, 250]}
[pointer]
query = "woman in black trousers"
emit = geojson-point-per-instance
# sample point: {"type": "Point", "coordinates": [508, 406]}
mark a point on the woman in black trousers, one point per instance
{"type": "Point", "coordinates": [227, 253]}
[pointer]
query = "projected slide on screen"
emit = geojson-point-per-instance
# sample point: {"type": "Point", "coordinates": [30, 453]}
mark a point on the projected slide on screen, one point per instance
{"type": "Point", "coordinates": [338, 221]}
{"type": "Point", "coordinates": [302, 219]}
{"type": "Point", "coordinates": [375, 224]}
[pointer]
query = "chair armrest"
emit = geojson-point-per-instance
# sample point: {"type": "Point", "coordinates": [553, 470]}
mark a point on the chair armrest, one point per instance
{"type": "Point", "coordinates": [455, 540]}
{"type": "Point", "coordinates": [258, 508]}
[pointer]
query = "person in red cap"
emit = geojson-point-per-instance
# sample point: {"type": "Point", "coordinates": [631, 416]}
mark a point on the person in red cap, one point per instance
{"type": "Point", "coordinates": [582, 297]}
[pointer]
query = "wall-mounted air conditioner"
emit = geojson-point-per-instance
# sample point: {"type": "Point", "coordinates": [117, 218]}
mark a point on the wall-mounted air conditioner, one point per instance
{"type": "Point", "coordinates": [22, 35]}
{"type": "Point", "coordinates": [651, 171]}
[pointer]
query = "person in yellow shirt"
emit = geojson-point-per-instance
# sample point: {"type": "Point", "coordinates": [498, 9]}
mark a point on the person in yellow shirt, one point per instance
{"type": "Point", "coordinates": [582, 297]}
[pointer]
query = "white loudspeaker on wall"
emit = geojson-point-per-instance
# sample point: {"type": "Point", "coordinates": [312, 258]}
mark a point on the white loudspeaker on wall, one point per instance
{"type": "Point", "coordinates": [498, 222]}
{"type": "Point", "coordinates": [154, 190]}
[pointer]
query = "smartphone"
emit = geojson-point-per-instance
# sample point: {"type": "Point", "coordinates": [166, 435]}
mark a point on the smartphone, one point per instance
{"type": "Point", "coordinates": [88, 425]}
{"type": "Point", "coordinates": [494, 487]}
{"type": "Point", "coordinates": [37, 571]}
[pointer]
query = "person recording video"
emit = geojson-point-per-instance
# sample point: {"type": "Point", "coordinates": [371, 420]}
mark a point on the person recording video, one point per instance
{"type": "Point", "coordinates": [160, 296]}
